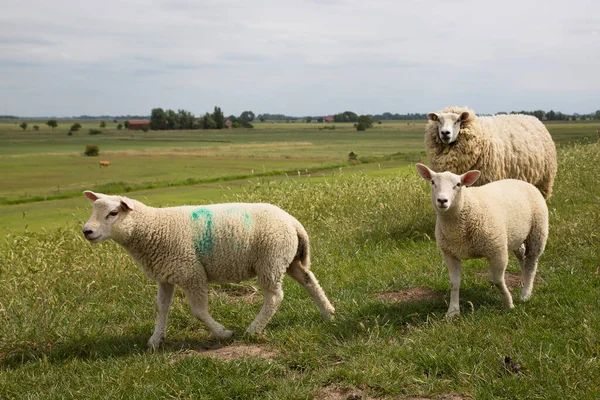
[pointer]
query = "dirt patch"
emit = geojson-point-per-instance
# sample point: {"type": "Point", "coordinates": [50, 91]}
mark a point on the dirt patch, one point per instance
{"type": "Point", "coordinates": [333, 393]}
{"type": "Point", "coordinates": [233, 352]}
{"type": "Point", "coordinates": [237, 292]}
{"type": "Point", "coordinates": [513, 280]}
{"type": "Point", "coordinates": [445, 396]}
{"type": "Point", "coordinates": [408, 295]}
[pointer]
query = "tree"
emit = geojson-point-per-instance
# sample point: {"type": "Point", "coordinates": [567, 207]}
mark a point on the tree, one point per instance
{"type": "Point", "coordinates": [366, 120]}
{"type": "Point", "coordinates": [172, 120]}
{"type": "Point", "coordinates": [361, 126]}
{"type": "Point", "coordinates": [261, 118]}
{"type": "Point", "coordinates": [247, 116]}
{"type": "Point", "coordinates": [75, 127]}
{"type": "Point", "coordinates": [52, 124]}
{"type": "Point", "coordinates": [126, 124]}
{"type": "Point", "coordinates": [187, 120]}
{"type": "Point", "coordinates": [539, 114]}
{"type": "Point", "coordinates": [23, 125]}
{"type": "Point", "coordinates": [207, 122]}
{"type": "Point", "coordinates": [219, 118]}
{"type": "Point", "coordinates": [36, 128]}
{"type": "Point", "coordinates": [597, 114]}
{"type": "Point", "coordinates": [103, 125]}
{"type": "Point", "coordinates": [92, 150]}
{"type": "Point", "coordinates": [158, 117]}
{"type": "Point", "coordinates": [346, 116]}
{"type": "Point", "coordinates": [120, 126]}
{"type": "Point", "coordinates": [308, 120]}
{"type": "Point", "coordinates": [115, 121]}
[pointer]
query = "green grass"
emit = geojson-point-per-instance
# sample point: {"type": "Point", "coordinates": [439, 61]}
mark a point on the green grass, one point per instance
{"type": "Point", "coordinates": [74, 318]}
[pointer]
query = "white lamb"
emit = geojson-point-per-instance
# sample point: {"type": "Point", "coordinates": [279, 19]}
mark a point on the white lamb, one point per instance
{"type": "Point", "coordinates": [191, 246]}
{"type": "Point", "coordinates": [487, 221]}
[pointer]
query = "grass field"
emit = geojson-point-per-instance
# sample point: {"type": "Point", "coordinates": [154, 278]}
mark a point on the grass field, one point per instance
{"type": "Point", "coordinates": [74, 318]}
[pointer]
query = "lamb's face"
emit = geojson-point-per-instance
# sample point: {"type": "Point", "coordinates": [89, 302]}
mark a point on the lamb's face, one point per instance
{"type": "Point", "coordinates": [107, 214]}
{"type": "Point", "coordinates": [448, 125]}
{"type": "Point", "coordinates": [446, 187]}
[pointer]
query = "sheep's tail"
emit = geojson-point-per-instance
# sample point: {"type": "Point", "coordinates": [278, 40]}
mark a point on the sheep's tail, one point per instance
{"type": "Point", "coordinates": [303, 251]}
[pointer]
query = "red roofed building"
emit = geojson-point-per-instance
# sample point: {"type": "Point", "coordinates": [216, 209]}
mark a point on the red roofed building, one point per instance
{"type": "Point", "coordinates": [137, 124]}
{"type": "Point", "coordinates": [328, 118]}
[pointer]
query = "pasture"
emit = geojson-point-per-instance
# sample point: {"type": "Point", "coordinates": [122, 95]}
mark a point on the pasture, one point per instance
{"type": "Point", "coordinates": [75, 318]}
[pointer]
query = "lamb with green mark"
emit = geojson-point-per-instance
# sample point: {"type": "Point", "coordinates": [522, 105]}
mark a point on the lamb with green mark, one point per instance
{"type": "Point", "coordinates": [192, 246]}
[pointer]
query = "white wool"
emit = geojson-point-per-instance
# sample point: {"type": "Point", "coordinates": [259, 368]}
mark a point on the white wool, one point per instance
{"type": "Point", "coordinates": [487, 222]}
{"type": "Point", "coordinates": [500, 147]}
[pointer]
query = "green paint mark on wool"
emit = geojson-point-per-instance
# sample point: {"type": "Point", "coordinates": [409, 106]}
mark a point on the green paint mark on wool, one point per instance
{"type": "Point", "coordinates": [204, 241]}
{"type": "Point", "coordinates": [247, 220]}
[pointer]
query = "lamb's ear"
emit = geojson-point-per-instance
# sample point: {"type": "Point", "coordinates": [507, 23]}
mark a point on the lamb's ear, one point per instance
{"type": "Point", "coordinates": [92, 196]}
{"type": "Point", "coordinates": [433, 117]}
{"type": "Point", "coordinates": [424, 171]}
{"type": "Point", "coordinates": [470, 177]}
{"type": "Point", "coordinates": [126, 204]}
{"type": "Point", "coordinates": [464, 116]}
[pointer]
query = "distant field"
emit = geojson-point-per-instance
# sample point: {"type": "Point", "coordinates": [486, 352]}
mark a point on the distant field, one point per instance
{"type": "Point", "coordinates": [43, 164]}
{"type": "Point", "coordinates": [48, 163]}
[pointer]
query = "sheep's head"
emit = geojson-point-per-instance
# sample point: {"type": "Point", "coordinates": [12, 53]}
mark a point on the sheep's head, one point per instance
{"type": "Point", "coordinates": [446, 187]}
{"type": "Point", "coordinates": [109, 216]}
{"type": "Point", "coordinates": [448, 124]}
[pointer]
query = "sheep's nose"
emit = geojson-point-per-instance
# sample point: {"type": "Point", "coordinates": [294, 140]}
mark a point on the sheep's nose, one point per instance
{"type": "Point", "coordinates": [445, 133]}
{"type": "Point", "coordinates": [442, 202]}
{"type": "Point", "coordinates": [87, 232]}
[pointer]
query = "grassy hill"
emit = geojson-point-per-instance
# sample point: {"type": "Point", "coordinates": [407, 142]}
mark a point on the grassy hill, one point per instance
{"type": "Point", "coordinates": [75, 318]}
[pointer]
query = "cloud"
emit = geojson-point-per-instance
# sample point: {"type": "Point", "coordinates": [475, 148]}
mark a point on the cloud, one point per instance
{"type": "Point", "coordinates": [298, 57]}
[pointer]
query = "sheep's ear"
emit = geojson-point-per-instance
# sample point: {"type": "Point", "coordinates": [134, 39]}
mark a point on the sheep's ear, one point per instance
{"type": "Point", "coordinates": [126, 204]}
{"type": "Point", "coordinates": [433, 117]}
{"type": "Point", "coordinates": [92, 196]}
{"type": "Point", "coordinates": [424, 171]}
{"type": "Point", "coordinates": [464, 116]}
{"type": "Point", "coordinates": [470, 177]}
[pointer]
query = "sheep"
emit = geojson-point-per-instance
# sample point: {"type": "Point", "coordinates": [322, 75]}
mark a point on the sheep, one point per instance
{"type": "Point", "coordinates": [191, 246]}
{"type": "Point", "coordinates": [500, 147]}
{"type": "Point", "coordinates": [104, 164]}
{"type": "Point", "coordinates": [487, 222]}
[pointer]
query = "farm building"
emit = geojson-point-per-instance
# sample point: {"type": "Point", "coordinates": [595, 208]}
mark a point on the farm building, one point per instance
{"type": "Point", "coordinates": [328, 118]}
{"type": "Point", "coordinates": [137, 124]}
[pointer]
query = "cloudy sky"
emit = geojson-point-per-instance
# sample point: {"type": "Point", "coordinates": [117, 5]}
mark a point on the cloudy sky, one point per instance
{"type": "Point", "coordinates": [73, 57]}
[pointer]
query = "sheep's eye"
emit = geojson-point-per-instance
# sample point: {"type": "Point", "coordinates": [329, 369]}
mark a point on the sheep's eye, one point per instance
{"type": "Point", "coordinates": [112, 213]}
{"type": "Point", "coordinates": [458, 184]}
{"type": "Point", "coordinates": [432, 182]}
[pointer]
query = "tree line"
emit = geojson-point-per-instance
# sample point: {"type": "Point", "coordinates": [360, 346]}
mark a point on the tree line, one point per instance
{"type": "Point", "coordinates": [169, 120]}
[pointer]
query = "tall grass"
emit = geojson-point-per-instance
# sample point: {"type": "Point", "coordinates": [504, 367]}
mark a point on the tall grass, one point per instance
{"type": "Point", "coordinates": [74, 318]}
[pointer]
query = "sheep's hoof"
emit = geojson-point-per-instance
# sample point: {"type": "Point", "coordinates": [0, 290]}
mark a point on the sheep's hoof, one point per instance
{"type": "Point", "coordinates": [224, 334]}
{"type": "Point", "coordinates": [452, 313]}
{"type": "Point", "coordinates": [154, 343]}
{"type": "Point", "coordinates": [329, 315]}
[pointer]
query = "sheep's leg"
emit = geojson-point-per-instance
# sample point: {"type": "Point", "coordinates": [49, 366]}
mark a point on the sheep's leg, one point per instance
{"type": "Point", "coordinates": [163, 301]}
{"type": "Point", "coordinates": [308, 281]}
{"type": "Point", "coordinates": [520, 254]}
{"type": "Point", "coordinates": [198, 298]}
{"type": "Point", "coordinates": [498, 267]}
{"type": "Point", "coordinates": [454, 270]}
{"type": "Point", "coordinates": [273, 296]}
{"type": "Point", "coordinates": [529, 268]}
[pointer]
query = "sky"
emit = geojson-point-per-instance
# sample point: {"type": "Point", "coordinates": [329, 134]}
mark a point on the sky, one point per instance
{"type": "Point", "coordinates": [317, 57]}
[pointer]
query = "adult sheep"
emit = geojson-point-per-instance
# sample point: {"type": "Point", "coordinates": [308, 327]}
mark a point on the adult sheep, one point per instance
{"type": "Point", "coordinates": [191, 246]}
{"type": "Point", "coordinates": [500, 147]}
